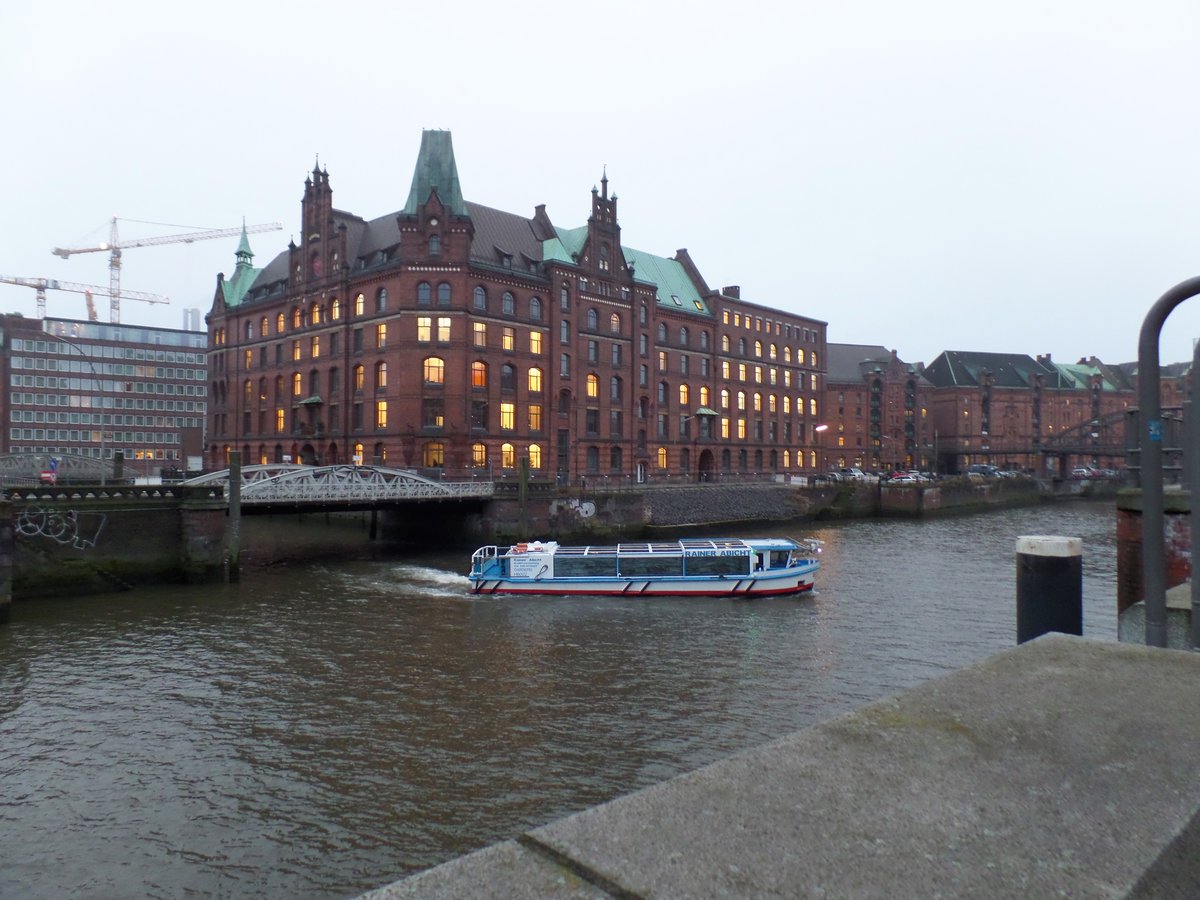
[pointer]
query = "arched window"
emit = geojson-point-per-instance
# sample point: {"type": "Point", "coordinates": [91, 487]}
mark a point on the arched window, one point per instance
{"type": "Point", "coordinates": [564, 298]}
{"type": "Point", "coordinates": [381, 300]}
{"type": "Point", "coordinates": [614, 324]}
{"type": "Point", "coordinates": [683, 336]}
{"type": "Point", "coordinates": [758, 349]}
{"type": "Point", "coordinates": [705, 396]}
{"type": "Point", "coordinates": [335, 309]}
{"type": "Point", "coordinates": [787, 459]}
{"type": "Point", "coordinates": [704, 340]}
{"type": "Point", "coordinates": [249, 331]}
{"type": "Point", "coordinates": [787, 354]}
{"type": "Point", "coordinates": [812, 359]}
{"type": "Point", "coordinates": [724, 399]}
{"type": "Point", "coordinates": [535, 380]}
{"type": "Point", "coordinates": [724, 343]}
{"type": "Point", "coordinates": [593, 385]}
{"type": "Point", "coordinates": [479, 454]}
{"type": "Point", "coordinates": [297, 384]}
{"type": "Point", "coordinates": [535, 456]}
{"type": "Point", "coordinates": [593, 320]}
{"type": "Point", "coordinates": [360, 304]}
{"type": "Point", "coordinates": [741, 401]}
{"type": "Point", "coordinates": [358, 377]}
{"type": "Point", "coordinates": [479, 374]}
{"type": "Point", "coordinates": [683, 396]}
{"type": "Point", "coordinates": [434, 370]}
{"type": "Point", "coordinates": [662, 457]}
{"type": "Point", "coordinates": [248, 391]}
{"type": "Point", "coordinates": [508, 377]}
{"type": "Point", "coordinates": [443, 293]}
{"type": "Point", "coordinates": [433, 454]}
{"type": "Point", "coordinates": [800, 356]}
{"type": "Point", "coordinates": [662, 332]}
{"type": "Point", "coordinates": [535, 311]}
{"type": "Point", "coordinates": [424, 293]}
{"type": "Point", "coordinates": [380, 375]}
{"type": "Point", "coordinates": [264, 327]}
{"type": "Point", "coordinates": [508, 456]}
{"type": "Point", "coordinates": [614, 387]}
{"type": "Point", "coordinates": [773, 352]}
{"type": "Point", "coordinates": [480, 298]}
{"type": "Point", "coordinates": [508, 305]}
{"type": "Point", "coordinates": [664, 394]}
{"type": "Point", "coordinates": [741, 346]}
{"type": "Point", "coordinates": [297, 317]}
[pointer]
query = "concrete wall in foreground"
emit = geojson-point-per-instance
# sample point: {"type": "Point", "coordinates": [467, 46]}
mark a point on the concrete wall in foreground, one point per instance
{"type": "Point", "coordinates": [1061, 768]}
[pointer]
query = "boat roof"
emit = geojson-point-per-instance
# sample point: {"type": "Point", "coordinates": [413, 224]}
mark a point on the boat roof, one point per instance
{"type": "Point", "coordinates": [652, 547]}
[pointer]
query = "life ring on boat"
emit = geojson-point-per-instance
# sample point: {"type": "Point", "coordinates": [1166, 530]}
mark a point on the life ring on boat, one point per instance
{"type": "Point", "coordinates": [520, 548]}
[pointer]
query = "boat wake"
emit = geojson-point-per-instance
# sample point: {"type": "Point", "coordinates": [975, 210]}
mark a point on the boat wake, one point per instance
{"type": "Point", "coordinates": [435, 582]}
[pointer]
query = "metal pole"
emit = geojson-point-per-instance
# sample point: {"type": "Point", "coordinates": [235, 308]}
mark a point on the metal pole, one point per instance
{"type": "Point", "coordinates": [1191, 468]}
{"type": "Point", "coordinates": [1154, 592]}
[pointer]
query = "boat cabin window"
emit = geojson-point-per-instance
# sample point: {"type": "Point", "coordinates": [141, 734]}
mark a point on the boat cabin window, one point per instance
{"type": "Point", "coordinates": [584, 566]}
{"type": "Point", "coordinates": [719, 565]}
{"type": "Point", "coordinates": [639, 566]}
{"type": "Point", "coordinates": [779, 559]}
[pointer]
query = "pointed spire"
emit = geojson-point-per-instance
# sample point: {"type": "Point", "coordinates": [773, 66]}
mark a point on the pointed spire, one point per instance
{"type": "Point", "coordinates": [436, 169]}
{"type": "Point", "coordinates": [604, 182]}
{"type": "Point", "coordinates": [244, 253]}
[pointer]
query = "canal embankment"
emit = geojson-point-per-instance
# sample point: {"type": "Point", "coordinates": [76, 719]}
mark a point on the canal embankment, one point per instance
{"type": "Point", "coordinates": [1045, 770]}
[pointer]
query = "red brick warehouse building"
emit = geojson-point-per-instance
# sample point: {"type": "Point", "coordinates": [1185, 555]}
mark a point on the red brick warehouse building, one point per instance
{"type": "Point", "coordinates": [457, 338]}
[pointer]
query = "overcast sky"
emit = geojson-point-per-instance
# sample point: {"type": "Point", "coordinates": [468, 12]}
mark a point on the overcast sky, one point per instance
{"type": "Point", "coordinates": [1018, 177]}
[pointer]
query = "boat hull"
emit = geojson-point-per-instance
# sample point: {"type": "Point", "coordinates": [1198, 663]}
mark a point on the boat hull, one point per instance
{"type": "Point", "coordinates": [642, 587]}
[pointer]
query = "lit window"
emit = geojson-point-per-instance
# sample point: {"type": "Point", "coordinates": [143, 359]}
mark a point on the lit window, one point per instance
{"type": "Point", "coordinates": [508, 456]}
{"type": "Point", "coordinates": [314, 348]}
{"type": "Point", "coordinates": [704, 396]}
{"type": "Point", "coordinates": [614, 324]}
{"type": "Point", "coordinates": [479, 374]}
{"type": "Point", "coordinates": [741, 429]}
{"type": "Point", "coordinates": [535, 380]}
{"type": "Point", "coordinates": [360, 305]}
{"type": "Point", "coordinates": [479, 454]}
{"type": "Point", "coordinates": [381, 414]}
{"type": "Point", "coordinates": [662, 457]}
{"type": "Point", "coordinates": [479, 334]}
{"type": "Point", "coordinates": [443, 329]}
{"type": "Point", "coordinates": [683, 395]}
{"type": "Point", "coordinates": [535, 418]}
{"type": "Point", "coordinates": [358, 378]}
{"type": "Point", "coordinates": [380, 375]}
{"type": "Point", "coordinates": [508, 338]}
{"type": "Point", "coordinates": [335, 309]}
{"type": "Point", "coordinates": [593, 385]}
{"type": "Point", "coordinates": [381, 335]}
{"type": "Point", "coordinates": [279, 421]}
{"type": "Point", "coordinates": [434, 454]}
{"type": "Point", "coordinates": [535, 456]}
{"type": "Point", "coordinates": [295, 350]}
{"type": "Point", "coordinates": [435, 370]}
{"type": "Point", "coordinates": [535, 343]}
{"type": "Point", "coordinates": [297, 385]}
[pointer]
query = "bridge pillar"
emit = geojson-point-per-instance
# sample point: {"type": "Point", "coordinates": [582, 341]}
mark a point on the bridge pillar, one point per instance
{"type": "Point", "coordinates": [233, 537]}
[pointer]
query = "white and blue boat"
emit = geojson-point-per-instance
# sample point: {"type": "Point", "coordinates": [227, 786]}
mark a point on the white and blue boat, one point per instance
{"type": "Point", "coordinates": [694, 567]}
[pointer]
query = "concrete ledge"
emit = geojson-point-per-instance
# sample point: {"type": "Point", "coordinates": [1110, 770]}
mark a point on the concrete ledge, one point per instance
{"type": "Point", "coordinates": [1060, 767]}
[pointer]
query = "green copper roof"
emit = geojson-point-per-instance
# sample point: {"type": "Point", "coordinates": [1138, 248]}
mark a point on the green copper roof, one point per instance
{"type": "Point", "coordinates": [436, 169]}
{"type": "Point", "coordinates": [244, 273]}
{"type": "Point", "coordinates": [675, 289]}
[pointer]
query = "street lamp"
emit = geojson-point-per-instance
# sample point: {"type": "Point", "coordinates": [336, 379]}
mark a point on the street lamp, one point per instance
{"type": "Point", "coordinates": [96, 383]}
{"type": "Point", "coordinates": [817, 430]}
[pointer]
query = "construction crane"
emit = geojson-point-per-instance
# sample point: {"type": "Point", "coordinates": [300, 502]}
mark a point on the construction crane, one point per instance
{"type": "Point", "coordinates": [51, 284]}
{"type": "Point", "coordinates": [115, 246]}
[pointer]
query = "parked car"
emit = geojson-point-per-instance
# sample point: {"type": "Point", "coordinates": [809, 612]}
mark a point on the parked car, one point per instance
{"type": "Point", "coordinates": [984, 470]}
{"type": "Point", "coordinates": [853, 473]}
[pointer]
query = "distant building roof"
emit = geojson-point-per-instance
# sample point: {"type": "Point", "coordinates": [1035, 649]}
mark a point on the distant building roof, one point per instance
{"type": "Point", "coordinates": [966, 369]}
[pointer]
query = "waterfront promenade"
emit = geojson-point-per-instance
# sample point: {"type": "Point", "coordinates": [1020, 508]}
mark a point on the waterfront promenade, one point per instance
{"type": "Point", "coordinates": [1063, 767]}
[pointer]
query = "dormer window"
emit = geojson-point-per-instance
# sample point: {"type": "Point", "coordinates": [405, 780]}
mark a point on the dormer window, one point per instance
{"type": "Point", "coordinates": [507, 259]}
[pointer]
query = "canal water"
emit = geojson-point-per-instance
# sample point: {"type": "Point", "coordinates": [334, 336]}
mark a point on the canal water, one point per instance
{"type": "Point", "coordinates": [321, 730]}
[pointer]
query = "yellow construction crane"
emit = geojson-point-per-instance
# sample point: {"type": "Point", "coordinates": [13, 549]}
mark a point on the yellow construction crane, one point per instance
{"type": "Point", "coordinates": [115, 245]}
{"type": "Point", "coordinates": [52, 284]}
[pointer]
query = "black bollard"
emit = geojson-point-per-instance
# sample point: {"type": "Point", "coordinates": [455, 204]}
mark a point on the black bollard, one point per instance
{"type": "Point", "coordinates": [1049, 586]}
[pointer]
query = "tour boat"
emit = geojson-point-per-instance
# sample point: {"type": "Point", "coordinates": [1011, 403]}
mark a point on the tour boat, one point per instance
{"type": "Point", "coordinates": [694, 567]}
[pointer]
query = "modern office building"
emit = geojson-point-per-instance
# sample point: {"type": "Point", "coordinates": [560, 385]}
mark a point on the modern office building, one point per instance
{"type": "Point", "coordinates": [87, 388]}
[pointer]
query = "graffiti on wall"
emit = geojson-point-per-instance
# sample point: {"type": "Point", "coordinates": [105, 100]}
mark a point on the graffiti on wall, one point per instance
{"type": "Point", "coordinates": [62, 526]}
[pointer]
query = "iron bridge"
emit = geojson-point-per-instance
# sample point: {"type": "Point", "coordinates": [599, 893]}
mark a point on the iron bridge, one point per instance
{"type": "Point", "coordinates": [341, 486]}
